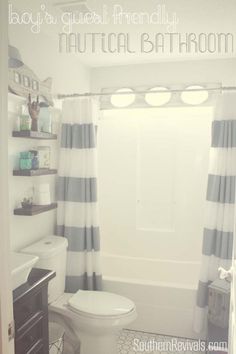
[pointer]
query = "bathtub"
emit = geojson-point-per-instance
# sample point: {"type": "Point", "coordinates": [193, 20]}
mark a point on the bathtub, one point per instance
{"type": "Point", "coordinates": [163, 291]}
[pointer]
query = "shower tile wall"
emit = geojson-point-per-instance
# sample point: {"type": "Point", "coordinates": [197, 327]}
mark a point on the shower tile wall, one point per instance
{"type": "Point", "coordinates": [155, 182]}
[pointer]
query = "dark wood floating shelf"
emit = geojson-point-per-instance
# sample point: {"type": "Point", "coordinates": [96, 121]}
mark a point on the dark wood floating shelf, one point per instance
{"type": "Point", "coordinates": [39, 172]}
{"type": "Point", "coordinates": [35, 209]}
{"type": "Point", "coordinates": [33, 135]}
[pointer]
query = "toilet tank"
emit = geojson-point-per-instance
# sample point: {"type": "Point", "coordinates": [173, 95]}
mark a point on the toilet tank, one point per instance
{"type": "Point", "coordinates": [51, 251]}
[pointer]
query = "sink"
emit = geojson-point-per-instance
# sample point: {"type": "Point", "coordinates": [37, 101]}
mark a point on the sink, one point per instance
{"type": "Point", "coordinates": [21, 265]}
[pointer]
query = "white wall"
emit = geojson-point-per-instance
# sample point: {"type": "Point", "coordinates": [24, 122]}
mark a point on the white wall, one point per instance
{"type": "Point", "coordinates": [198, 71]}
{"type": "Point", "coordinates": [153, 167]}
{"type": "Point", "coordinates": [124, 224]}
{"type": "Point", "coordinates": [40, 53]}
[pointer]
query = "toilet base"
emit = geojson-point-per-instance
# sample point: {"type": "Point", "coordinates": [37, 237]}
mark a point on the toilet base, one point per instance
{"type": "Point", "coordinates": [98, 344]}
{"type": "Point", "coordinates": [97, 334]}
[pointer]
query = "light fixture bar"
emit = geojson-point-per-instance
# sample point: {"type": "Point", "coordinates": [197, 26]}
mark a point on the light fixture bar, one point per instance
{"type": "Point", "coordinates": [89, 94]}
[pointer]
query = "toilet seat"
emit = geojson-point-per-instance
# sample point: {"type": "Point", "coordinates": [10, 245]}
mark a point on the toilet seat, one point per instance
{"type": "Point", "coordinates": [100, 304]}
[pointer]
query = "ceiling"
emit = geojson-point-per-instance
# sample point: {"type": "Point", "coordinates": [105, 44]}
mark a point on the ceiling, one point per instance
{"type": "Point", "coordinates": [194, 16]}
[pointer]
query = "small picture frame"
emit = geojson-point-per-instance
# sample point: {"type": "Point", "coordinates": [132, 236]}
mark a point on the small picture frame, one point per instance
{"type": "Point", "coordinates": [17, 77]}
{"type": "Point", "coordinates": [35, 85]}
{"type": "Point", "coordinates": [26, 81]}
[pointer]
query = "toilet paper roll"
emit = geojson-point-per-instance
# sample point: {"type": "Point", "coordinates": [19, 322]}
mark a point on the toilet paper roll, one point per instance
{"type": "Point", "coordinates": [42, 194]}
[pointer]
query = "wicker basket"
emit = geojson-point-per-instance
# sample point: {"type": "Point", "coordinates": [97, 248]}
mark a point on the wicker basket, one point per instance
{"type": "Point", "coordinates": [56, 338]}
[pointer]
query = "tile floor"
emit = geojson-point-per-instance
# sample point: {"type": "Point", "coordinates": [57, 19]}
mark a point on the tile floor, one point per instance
{"type": "Point", "coordinates": [134, 342]}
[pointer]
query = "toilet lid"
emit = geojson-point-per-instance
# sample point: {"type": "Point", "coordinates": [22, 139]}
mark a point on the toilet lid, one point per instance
{"type": "Point", "coordinates": [100, 303]}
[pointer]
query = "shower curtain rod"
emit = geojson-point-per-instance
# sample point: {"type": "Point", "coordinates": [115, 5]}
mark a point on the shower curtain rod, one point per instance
{"type": "Point", "coordinates": [90, 94]}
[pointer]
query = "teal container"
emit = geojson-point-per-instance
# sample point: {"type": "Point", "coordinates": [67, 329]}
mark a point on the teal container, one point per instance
{"type": "Point", "coordinates": [26, 155]}
{"type": "Point", "coordinates": [25, 122]}
{"type": "Point", "coordinates": [25, 164]}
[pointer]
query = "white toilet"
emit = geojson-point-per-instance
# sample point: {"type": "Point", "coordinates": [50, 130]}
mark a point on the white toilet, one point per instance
{"type": "Point", "coordinates": [96, 316]}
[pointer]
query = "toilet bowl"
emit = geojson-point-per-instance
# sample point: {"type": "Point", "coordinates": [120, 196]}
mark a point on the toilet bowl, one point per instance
{"type": "Point", "coordinates": [95, 316]}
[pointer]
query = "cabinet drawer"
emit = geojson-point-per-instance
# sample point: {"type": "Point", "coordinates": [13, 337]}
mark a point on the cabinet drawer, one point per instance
{"type": "Point", "coordinates": [29, 339]}
{"type": "Point", "coordinates": [25, 311]}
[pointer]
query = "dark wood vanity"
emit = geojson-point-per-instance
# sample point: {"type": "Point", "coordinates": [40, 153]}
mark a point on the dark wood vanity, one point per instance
{"type": "Point", "coordinates": [31, 313]}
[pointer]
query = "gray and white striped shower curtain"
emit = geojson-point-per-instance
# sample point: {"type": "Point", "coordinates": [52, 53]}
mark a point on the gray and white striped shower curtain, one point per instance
{"type": "Point", "coordinates": [77, 215]}
{"type": "Point", "coordinates": [219, 222]}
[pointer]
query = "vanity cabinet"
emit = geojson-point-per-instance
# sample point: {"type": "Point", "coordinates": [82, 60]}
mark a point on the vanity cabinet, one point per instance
{"type": "Point", "coordinates": [31, 313]}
